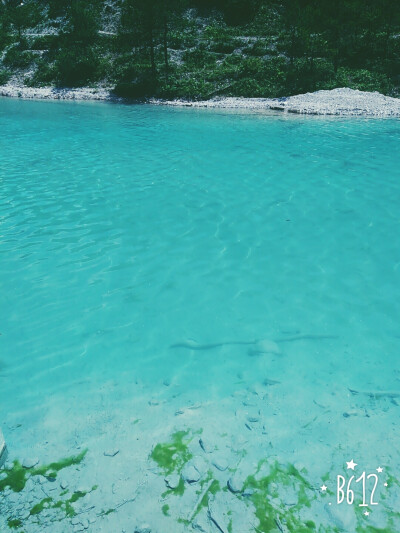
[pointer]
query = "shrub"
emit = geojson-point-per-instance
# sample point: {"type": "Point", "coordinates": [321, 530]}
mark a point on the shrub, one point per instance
{"type": "Point", "coordinates": [77, 66]}
{"type": "Point", "coordinates": [257, 49]}
{"type": "Point", "coordinates": [44, 42]}
{"type": "Point", "coordinates": [4, 76]}
{"type": "Point", "coordinates": [226, 47]}
{"type": "Point", "coordinates": [17, 58]}
{"type": "Point", "coordinates": [180, 40]}
{"type": "Point", "coordinates": [144, 85]}
{"type": "Point", "coordinates": [363, 80]}
{"type": "Point", "coordinates": [190, 88]}
{"type": "Point", "coordinates": [198, 58]}
{"type": "Point", "coordinates": [45, 74]}
{"type": "Point", "coordinates": [304, 75]}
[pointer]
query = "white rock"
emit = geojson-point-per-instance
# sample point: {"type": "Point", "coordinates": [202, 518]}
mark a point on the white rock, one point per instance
{"type": "Point", "coordinates": [30, 462]}
{"type": "Point", "coordinates": [220, 464]}
{"type": "Point", "coordinates": [190, 474]}
{"type": "Point", "coordinates": [111, 453]}
{"type": "Point", "coordinates": [205, 446]}
{"type": "Point", "coordinates": [343, 517]}
{"type": "Point", "coordinates": [144, 528]}
{"type": "Point", "coordinates": [173, 481]}
{"type": "Point", "coordinates": [235, 483]}
{"type": "Point", "coordinates": [264, 346]}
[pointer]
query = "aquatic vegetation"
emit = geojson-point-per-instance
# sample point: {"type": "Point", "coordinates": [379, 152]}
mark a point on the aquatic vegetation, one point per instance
{"type": "Point", "coordinates": [211, 486]}
{"type": "Point", "coordinates": [172, 456]}
{"type": "Point", "coordinates": [38, 508]}
{"type": "Point", "coordinates": [180, 489]}
{"type": "Point", "coordinates": [14, 523]}
{"type": "Point", "coordinates": [267, 492]}
{"type": "Point", "coordinates": [109, 511]}
{"type": "Point", "coordinates": [17, 476]}
{"type": "Point", "coordinates": [165, 509]}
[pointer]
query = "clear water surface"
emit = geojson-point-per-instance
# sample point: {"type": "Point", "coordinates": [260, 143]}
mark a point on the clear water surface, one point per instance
{"type": "Point", "coordinates": [127, 229]}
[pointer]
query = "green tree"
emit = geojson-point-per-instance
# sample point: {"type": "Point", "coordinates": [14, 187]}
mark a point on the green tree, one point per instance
{"type": "Point", "coordinates": [23, 15]}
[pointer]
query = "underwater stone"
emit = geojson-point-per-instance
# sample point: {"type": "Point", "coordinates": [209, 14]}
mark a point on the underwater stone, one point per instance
{"type": "Point", "coordinates": [173, 481]}
{"type": "Point", "coordinates": [190, 474]}
{"type": "Point", "coordinates": [3, 449]}
{"type": "Point", "coordinates": [30, 462]}
{"type": "Point", "coordinates": [344, 518]}
{"type": "Point", "coordinates": [145, 528]}
{"type": "Point", "coordinates": [205, 446]}
{"type": "Point", "coordinates": [200, 524]}
{"type": "Point", "coordinates": [221, 464]}
{"type": "Point", "coordinates": [235, 484]}
{"type": "Point", "coordinates": [111, 453]}
{"type": "Point", "coordinates": [263, 347]}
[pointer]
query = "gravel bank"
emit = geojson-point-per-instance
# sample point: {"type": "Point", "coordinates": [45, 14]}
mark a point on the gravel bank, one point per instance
{"type": "Point", "coordinates": [342, 102]}
{"type": "Point", "coordinates": [347, 102]}
{"type": "Point", "coordinates": [51, 93]}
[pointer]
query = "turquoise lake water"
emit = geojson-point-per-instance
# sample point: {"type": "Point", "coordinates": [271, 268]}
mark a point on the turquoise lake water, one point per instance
{"type": "Point", "coordinates": [127, 229]}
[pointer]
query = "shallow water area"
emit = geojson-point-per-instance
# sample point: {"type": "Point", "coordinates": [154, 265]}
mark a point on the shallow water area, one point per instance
{"type": "Point", "coordinates": [145, 254]}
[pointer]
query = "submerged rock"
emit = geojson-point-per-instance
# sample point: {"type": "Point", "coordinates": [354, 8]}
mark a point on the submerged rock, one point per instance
{"type": "Point", "coordinates": [264, 346]}
{"type": "Point", "coordinates": [173, 481]}
{"type": "Point", "coordinates": [235, 483]}
{"type": "Point", "coordinates": [342, 517]}
{"type": "Point", "coordinates": [30, 462]}
{"type": "Point", "coordinates": [205, 446]}
{"type": "Point", "coordinates": [3, 449]}
{"type": "Point", "coordinates": [190, 474]}
{"type": "Point", "coordinates": [111, 453]}
{"type": "Point", "coordinates": [194, 469]}
{"type": "Point", "coordinates": [220, 464]}
{"type": "Point", "coordinates": [144, 528]}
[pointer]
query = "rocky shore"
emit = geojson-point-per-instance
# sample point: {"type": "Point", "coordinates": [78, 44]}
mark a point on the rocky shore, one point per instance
{"type": "Point", "coordinates": [342, 102]}
{"type": "Point", "coordinates": [52, 93]}
{"type": "Point", "coordinates": [339, 102]}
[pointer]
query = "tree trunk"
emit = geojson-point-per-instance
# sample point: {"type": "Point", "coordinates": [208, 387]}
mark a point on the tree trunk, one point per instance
{"type": "Point", "coordinates": [152, 59]}
{"type": "Point", "coordinates": [166, 50]}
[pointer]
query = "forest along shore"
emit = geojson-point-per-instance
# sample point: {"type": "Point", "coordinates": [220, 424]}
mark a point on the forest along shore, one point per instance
{"type": "Point", "coordinates": [199, 49]}
{"type": "Point", "coordinates": [340, 102]}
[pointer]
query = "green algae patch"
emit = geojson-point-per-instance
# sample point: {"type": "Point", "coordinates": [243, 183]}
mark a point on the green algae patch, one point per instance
{"type": "Point", "coordinates": [106, 513]}
{"type": "Point", "coordinates": [213, 489]}
{"type": "Point", "coordinates": [266, 489]}
{"type": "Point", "coordinates": [50, 471]}
{"type": "Point", "coordinates": [63, 505]}
{"type": "Point", "coordinates": [180, 489]}
{"type": "Point", "coordinates": [16, 479]}
{"type": "Point", "coordinates": [17, 476]}
{"type": "Point", "coordinates": [14, 523]}
{"type": "Point", "coordinates": [165, 509]}
{"type": "Point", "coordinates": [172, 456]}
{"type": "Point", "coordinates": [38, 508]}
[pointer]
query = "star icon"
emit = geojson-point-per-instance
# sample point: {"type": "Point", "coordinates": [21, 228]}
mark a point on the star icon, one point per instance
{"type": "Point", "coordinates": [385, 484]}
{"type": "Point", "coordinates": [351, 465]}
{"type": "Point", "coordinates": [366, 513]}
{"type": "Point", "coordinates": [323, 488]}
{"type": "Point", "coordinates": [379, 470]}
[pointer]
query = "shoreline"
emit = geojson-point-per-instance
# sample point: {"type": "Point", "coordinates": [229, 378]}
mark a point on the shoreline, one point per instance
{"type": "Point", "coordinates": [335, 102]}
